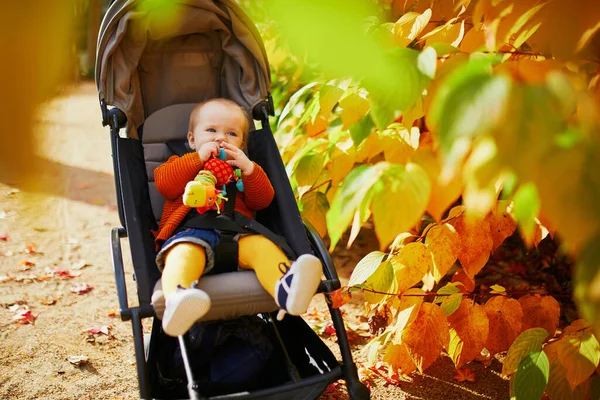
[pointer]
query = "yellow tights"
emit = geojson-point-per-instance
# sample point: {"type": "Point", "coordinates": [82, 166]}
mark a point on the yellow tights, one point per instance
{"type": "Point", "coordinates": [185, 263]}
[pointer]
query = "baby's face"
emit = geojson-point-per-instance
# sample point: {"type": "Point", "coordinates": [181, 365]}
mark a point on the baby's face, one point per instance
{"type": "Point", "coordinates": [218, 122]}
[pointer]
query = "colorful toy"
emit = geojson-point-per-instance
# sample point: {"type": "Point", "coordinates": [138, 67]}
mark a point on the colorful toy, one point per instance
{"type": "Point", "coordinates": [202, 192]}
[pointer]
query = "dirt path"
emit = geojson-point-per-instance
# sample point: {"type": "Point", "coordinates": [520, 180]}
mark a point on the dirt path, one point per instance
{"type": "Point", "coordinates": [68, 217]}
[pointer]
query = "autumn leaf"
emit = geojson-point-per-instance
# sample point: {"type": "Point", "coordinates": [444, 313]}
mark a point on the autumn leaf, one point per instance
{"type": "Point", "coordinates": [339, 297]}
{"type": "Point", "coordinates": [63, 273]}
{"type": "Point", "coordinates": [314, 209]}
{"type": "Point", "coordinates": [505, 317]}
{"type": "Point", "coordinates": [497, 289]}
{"type": "Point", "coordinates": [469, 327]}
{"type": "Point", "coordinates": [397, 356]}
{"type": "Point", "coordinates": [467, 283]}
{"type": "Point", "coordinates": [540, 312]}
{"type": "Point", "coordinates": [113, 313]}
{"type": "Point", "coordinates": [426, 336]}
{"type": "Point", "coordinates": [25, 316]}
{"type": "Point", "coordinates": [465, 374]}
{"type": "Point", "coordinates": [3, 237]}
{"type": "Point", "coordinates": [81, 288]}
{"type": "Point", "coordinates": [354, 107]}
{"type": "Point", "coordinates": [558, 387]}
{"type": "Point", "coordinates": [30, 248]}
{"type": "Point", "coordinates": [78, 360]}
{"type": "Point", "coordinates": [476, 243]}
{"type": "Point", "coordinates": [501, 223]}
{"type": "Point", "coordinates": [408, 310]}
{"type": "Point", "coordinates": [444, 244]}
{"type": "Point", "coordinates": [410, 264]}
{"type": "Point", "coordinates": [99, 329]}
{"type": "Point", "coordinates": [579, 353]}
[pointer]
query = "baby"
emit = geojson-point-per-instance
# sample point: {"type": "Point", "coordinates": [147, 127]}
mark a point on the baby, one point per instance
{"type": "Point", "coordinates": [187, 253]}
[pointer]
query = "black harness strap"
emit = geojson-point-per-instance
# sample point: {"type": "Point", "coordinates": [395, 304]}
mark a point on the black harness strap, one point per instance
{"type": "Point", "coordinates": [227, 251]}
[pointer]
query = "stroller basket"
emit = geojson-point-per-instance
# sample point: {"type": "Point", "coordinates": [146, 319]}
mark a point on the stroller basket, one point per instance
{"type": "Point", "coordinates": [149, 74]}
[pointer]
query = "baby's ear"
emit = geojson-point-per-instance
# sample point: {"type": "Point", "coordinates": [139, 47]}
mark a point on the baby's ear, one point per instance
{"type": "Point", "coordinates": [190, 138]}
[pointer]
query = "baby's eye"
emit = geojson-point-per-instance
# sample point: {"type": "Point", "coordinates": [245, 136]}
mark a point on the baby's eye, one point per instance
{"type": "Point", "coordinates": [232, 134]}
{"type": "Point", "coordinates": [211, 130]}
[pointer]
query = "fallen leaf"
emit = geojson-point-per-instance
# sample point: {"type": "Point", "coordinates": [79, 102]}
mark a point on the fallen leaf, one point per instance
{"type": "Point", "coordinates": [30, 248]}
{"type": "Point", "coordinates": [5, 278]}
{"type": "Point", "coordinates": [14, 307]}
{"type": "Point", "coordinates": [63, 273]}
{"type": "Point", "coordinates": [25, 316]}
{"type": "Point", "coordinates": [113, 313]}
{"type": "Point", "coordinates": [27, 263]}
{"type": "Point", "coordinates": [81, 288]}
{"type": "Point", "coordinates": [48, 301]}
{"type": "Point", "coordinates": [99, 329]}
{"type": "Point", "coordinates": [465, 374]}
{"type": "Point", "coordinates": [78, 360]}
{"type": "Point", "coordinates": [80, 264]}
{"type": "Point", "coordinates": [4, 237]}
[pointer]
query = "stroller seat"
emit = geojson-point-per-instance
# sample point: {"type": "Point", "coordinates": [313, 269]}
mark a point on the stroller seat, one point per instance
{"type": "Point", "coordinates": [232, 294]}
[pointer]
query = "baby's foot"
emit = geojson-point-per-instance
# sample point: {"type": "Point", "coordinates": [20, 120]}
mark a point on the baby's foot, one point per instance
{"type": "Point", "coordinates": [296, 288]}
{"type": "Point", "coordinates": [182, 309]}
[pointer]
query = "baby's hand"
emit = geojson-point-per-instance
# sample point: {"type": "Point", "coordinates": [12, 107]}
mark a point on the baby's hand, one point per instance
{"type": "Point", "coordinates": [207, 150]}
{"type": "Point", "coordinates": [237, 158]}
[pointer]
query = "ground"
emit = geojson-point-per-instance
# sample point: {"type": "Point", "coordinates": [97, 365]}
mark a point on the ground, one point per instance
{"type": "Point", "coordinates": [54, 235]}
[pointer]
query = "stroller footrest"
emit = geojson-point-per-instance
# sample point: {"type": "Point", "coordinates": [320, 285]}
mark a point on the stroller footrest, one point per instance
{"type": "Point", "coordinates": [232, 295]}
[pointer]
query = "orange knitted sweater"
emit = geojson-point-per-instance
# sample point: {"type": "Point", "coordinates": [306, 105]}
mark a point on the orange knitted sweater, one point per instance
{"type": "Point", "coordinates": [172, 177]}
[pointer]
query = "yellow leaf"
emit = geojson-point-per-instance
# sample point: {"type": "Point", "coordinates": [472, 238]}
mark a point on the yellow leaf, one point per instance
{"type": "Point", "coordinates": [444, 244]}
{"type": "Point", "coordinates": [497, 289]}
{"type": "Point", "coordinates": [329, 96]}
{"type": "Point", "coordinates": [398, 143]}
{"type": "Point", "coordinates": [451, 33]}
{"type": "Point", "coordinates": [473, 41]}
{"type": "Point", "coordinates": [354, 107]}
{"type": "Point", "coordinates": [406, 185]}
{"type": "Point", "coordinates": [368, 148]}
{"type": "Point", "coordinates": [426, 336]}
{"type": "Point", "coordinates": [476, 243]}
{"type": "Point", "coordinates": [502, 224]}
{"type": "Point", "coordinates": [314, 209]}
{"type": "Point", "coordinates": [579, 353]}
{"type": "Point", "coordinates": [397, 356]}
{"type": "Point", "coordinates": [469, 329]}
{"type": "Point", "coordinates": [558, 386]}
{"type": "Point", "coordinates": [411, 263]}
{"type": "Point", "coordinates": [409, 26]}
{"type": "Point", "coordinates": [409, 309]}
{"type": "Point", "coordinates": [443, 194]}
{"type": "Point", "coordinates": [505, 317]}
{"type": "Point", "coordinates": [540, 312]}
{"type": "Point", "coordinates": [381, 281]}
{"type": "Point", "coordinates": [342, 158]}
{"type": "Point", "coordinates": [318, 126]}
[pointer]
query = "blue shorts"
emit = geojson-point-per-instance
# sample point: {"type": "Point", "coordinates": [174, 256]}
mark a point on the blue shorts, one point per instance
{"type": "Point", "coordinates": [207, 238]}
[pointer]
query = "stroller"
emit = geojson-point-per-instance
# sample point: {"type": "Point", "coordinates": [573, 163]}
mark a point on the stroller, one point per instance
{"type": "Point", "coordinates": [150, 72]}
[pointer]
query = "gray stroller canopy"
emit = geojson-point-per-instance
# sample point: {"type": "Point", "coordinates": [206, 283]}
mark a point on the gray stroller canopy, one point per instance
{"type": "Point", "coordinates": [211, 50]}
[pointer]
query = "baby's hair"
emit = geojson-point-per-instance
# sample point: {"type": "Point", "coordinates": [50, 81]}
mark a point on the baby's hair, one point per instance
{"type": "Point", "coordinates": [196, 111]}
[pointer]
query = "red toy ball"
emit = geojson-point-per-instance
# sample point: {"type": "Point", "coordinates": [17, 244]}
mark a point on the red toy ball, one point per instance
{"type": "Point", "coordinates": [221, 170]}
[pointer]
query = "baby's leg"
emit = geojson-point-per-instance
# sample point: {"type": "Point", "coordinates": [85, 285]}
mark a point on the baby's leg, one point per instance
{"type": "Point", "coordinates": [292, 286]}
{"type": "Point", "coordinates": [184, 305]}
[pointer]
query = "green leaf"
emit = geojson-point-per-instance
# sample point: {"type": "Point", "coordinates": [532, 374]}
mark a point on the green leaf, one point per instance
{"type": "Point", "coordinates": [469, 102]}
{"type": "Point", "coordinates": [382, 113]}
{"type": "Point", "coordinates": [381, 281]}
{"type": "Point", "coordinates": [527, 207]}
{"type": "Point", "coordinates": [443, 49]}
{"type": "Point", "coordinates": [362, 129]}
{"type": "Point", "coordinates": [451, 303]}
{"type": "Point", "coordinates": [309, 168]}
{"type": "Point", "coordinates": [449, 288]}
{"type": "Point", "coordinates": [314, 209]}
{"type": "Point", "coordinates": [366, 267]}
{"type": "Point", "coordinates": [427, 62]}
{"type": "Point", "coordinates": [531, 377]}
{"type": "Point", "coordinates": [527, 342]}
{"type": "Point", "coordinates": [348, 198]}
{"type": "Point", "coordinates": [294, 100]}
{"type": "Point", "coordinates": [399, 200]}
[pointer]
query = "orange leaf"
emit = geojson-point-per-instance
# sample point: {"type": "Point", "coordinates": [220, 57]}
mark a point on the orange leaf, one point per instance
{"type": "Point", "coordinates": [578, 353]}
{"type": "Point", "coordinates": [502, 224]}
{"type": "Point", "coordinates": [30, 248]}
{"type": "Point", "coordinates": [469, 328]}
{"type": "Point", "coordinates": [81, 288]}
{"type": "Point", "coordinates": [408, 309]}
{"type": "Point", "coordinates": [468, 283]}
{"type": "Point", "coordinates": [540, 312]}
{"type": "Point", "coordinates": [340, 297]}
{"type": "Point", "coordinates": [558, 386]}
{"type": "Point", "coordinates": [3, 237]}
{"type": "Point", "coordinates": [397, 356]}
{"type": "Point", "coordinates": [25, 316]}
{"type": "Point", "coordinates": [505, 318]}
{"type": "Point", "coordinates": [466, 374]}
{"type": "Point", "coordinates": [444, 243]}
{"type": "Point", "coordinates": [476, 242]}
{"type": "Point", "coordinates": [427, 335]}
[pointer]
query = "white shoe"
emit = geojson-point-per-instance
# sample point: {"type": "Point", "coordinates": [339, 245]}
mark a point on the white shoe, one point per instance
{"type": "Point", "coordinates": [182, 309]}
{"type": "Point", "coordinates": [296, 288]}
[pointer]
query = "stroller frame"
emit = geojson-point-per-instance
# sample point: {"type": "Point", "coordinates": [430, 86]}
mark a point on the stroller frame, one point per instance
{"type": "Point", "coordinates": [124, 150]}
